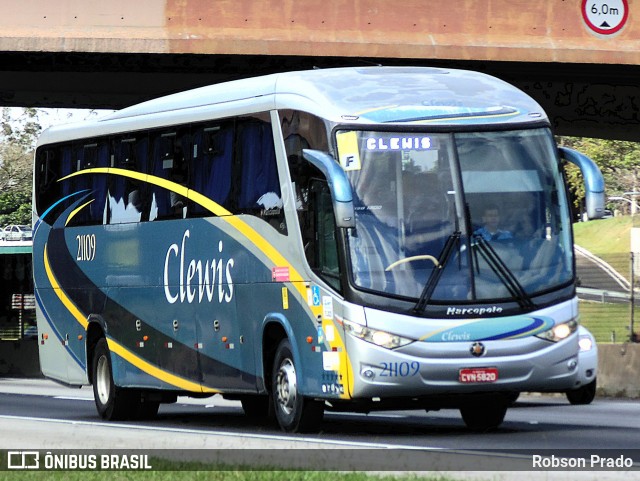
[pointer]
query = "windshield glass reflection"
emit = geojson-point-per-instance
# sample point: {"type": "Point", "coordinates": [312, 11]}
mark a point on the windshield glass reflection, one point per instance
{"type": "Point", "coordinates": [405, 205]}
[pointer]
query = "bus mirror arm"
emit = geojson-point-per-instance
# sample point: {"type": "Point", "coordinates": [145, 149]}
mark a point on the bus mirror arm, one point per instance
{"type": "Point", "coordinates": [339, 186]}
{"type": "Point", "coordinates": [593, 181]}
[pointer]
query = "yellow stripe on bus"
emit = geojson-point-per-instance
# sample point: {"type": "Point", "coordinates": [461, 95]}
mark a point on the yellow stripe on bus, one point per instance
{"type": "Point", "coordinates": [245, 229]}
{"type": "Point", "coordinates": [68, 303]}
{"type": "Point", "coordinates": [242, 227]}
{"type": "Point", "coordinates": [156, 372]}
{"type": "Point", "coordinates": [75, 211]}
{"type": "Point", "coordinates": [117, 348]}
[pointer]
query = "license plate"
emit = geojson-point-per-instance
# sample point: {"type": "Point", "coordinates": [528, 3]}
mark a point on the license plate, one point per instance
{"type": "Point", "coordinates": [478, 375]}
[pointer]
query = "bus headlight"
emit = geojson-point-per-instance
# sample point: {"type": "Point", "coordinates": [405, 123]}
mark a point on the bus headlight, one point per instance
{"type": "Point", "coordinates": [560, 331]}
{"type": "Point", "coordinates": [375, 336]}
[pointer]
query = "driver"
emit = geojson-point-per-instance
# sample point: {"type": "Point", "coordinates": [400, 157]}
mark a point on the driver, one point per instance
{"type": "Point", "coordinates": [491, 220]}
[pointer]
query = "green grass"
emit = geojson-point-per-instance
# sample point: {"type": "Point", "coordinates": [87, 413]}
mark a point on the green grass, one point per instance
{"type": "Point", "coordinates": [609, 239]}
{"type": "Point", "coordinates": [175, 470]}
{"type": "Point", "coordinates": [208, 475]}
{"type": "Point", "coordinates": [179, 471]}
{"type": "Point", "coordinates": [604, 318]}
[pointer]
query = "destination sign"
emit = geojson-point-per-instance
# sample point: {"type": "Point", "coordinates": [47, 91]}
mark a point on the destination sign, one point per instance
{"type": "Point", "coordinates": [414, 142]}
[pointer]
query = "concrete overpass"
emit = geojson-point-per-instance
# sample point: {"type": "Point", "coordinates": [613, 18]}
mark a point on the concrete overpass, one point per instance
{"type": "Point", "coordinates": [112, 53]}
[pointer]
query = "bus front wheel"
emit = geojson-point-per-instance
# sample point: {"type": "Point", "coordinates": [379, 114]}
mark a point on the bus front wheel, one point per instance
{"type": "Point", "coordinates": [484, 417]}
{"type": "Point", "coordinates": [294, 412]}
{"type": "Point", "coordinates": [255, 407]}
{"type": "Point", "coordinates": [582, 395]}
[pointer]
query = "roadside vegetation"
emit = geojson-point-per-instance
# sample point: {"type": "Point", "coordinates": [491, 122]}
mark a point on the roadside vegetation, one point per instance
{"type": "Point", "coordinates": [17, 141]}
{"type": "Point", "coordinates": [608, 239]}
{"type": "Point", "coordinates": [185, 472]}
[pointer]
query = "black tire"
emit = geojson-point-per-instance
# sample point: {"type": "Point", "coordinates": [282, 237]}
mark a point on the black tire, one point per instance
{"type": "Point", "coordinates": [113, 403]}
{"type": "Point", "coordinates": [484, 417]}
{"type": "Point", "coordinates": [582, 395]}
{"type": "Point", "coordinates": [256, 407]}
{"type": "Point", "coordinates": [294, 412]}
{"type": "Point", "coordinates": [145, 409]}
{"type": "Point", "coordinates": [512, 397]}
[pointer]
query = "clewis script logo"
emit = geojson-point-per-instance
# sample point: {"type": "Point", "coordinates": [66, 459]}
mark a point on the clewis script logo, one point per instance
{"type": "Point", "coordinates": [196, 280]}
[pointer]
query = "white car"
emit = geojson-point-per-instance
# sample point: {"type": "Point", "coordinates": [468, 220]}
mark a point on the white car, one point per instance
{"type": "Point", "coordinates": [17, 233]}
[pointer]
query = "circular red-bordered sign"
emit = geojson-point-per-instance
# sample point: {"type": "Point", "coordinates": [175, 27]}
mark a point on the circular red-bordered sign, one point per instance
{"type": "Point", "coordinates": [605, 17]}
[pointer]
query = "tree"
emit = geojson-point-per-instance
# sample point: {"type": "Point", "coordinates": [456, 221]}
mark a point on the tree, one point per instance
{"type": "Point", "coordinates": [618, 160]}
{"type": "Point", "coordinates": [18, 135]}
{"type": "Point", "coordinates": [21, 128]}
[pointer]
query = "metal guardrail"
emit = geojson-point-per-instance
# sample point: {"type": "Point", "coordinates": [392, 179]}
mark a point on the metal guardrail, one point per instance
{"type": "Point", "coordinates": [587, 291]}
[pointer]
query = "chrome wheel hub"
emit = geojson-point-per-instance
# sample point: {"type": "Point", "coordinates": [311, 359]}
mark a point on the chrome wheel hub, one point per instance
{"type": "Point", "coordinates": [103, 380]}
{"type": "Point", "coordinates": [287, 386]}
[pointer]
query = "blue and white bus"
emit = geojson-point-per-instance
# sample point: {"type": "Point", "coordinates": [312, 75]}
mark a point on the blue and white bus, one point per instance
{"type": "Point", "coordinates": [345, 239]}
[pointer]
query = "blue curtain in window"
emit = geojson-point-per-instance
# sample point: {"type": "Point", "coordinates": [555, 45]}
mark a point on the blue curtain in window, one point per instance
{"type": "Point", "coordinates": [100, 185]}
{"type": "Point", "coordinates": [212, 168]}
{"type": "Point", "coordinates": [160, 168]}
{"type": "Point", "coordinates": [66, 168]}
{"type": "Point", "coordinates": [258, 160]}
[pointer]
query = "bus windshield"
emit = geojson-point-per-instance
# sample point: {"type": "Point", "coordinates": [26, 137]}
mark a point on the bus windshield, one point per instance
{"type": "Point", "coordinates": [486, 210]}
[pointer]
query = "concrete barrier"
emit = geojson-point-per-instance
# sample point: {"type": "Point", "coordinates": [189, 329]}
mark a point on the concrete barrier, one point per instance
{"type": "Point", "coordinates": [619, 370]}
{"type": "Point", "coordinates": [19, 358]}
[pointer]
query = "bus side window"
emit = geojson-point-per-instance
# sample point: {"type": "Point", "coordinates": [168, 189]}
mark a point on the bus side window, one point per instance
{"type": "Point", "coordinates": [259, 186]}
{"type": "Point", "coordinates": [323, 251]}
{"type": "Point", "coordinates": [128, 200]}
{"type": "Point", "coordinates": [211, 166]}
{"type": "Point", "coordinates": [97, 155]}
{"type": "Point", "coordinates": [48, 172]}
{"type": "Point", "coordinates": [170, 162]}
{"type": "Point", "coordinates": [88, 187]}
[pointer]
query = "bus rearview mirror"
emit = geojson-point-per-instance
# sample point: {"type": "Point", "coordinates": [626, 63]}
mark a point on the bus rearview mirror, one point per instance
{"type": "Point", "coordinates": [593, 181]}
{"type": "Point", "coordinates": [339, 185]}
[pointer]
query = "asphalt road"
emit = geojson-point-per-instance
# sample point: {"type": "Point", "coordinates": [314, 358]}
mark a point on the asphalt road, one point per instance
{"type": "Point", "coordinates": [37, 414]}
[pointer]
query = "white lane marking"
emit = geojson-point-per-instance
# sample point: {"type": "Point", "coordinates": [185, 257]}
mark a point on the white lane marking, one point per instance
{"type": "Point", "coordinates": [329, 442]}
{"type": "Point", "coordinates": [371, 415]}
{"type": "Point", "coordinates": [73, 398]}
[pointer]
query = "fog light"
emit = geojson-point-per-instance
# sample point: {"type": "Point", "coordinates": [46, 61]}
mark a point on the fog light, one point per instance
{"type": "Point", "coordinates": [585, 343]}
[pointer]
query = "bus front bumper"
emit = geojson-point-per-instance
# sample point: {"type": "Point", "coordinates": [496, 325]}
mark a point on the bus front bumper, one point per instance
{"type": "Point", "coordinates": [453, 368]}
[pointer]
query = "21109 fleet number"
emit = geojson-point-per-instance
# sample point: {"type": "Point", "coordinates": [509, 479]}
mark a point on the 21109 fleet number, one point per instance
{"type": "Point", "coordinates": [86, 247]}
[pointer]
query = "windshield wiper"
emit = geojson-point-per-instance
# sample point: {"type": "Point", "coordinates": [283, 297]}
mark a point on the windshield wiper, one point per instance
{"type": "Point", "coordinates": [503, 272]}
{"type": "Point", "coordinates": [436, 273]}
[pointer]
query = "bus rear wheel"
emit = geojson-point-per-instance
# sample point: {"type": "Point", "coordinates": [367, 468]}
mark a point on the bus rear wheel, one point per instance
{"type": "Point", "coordinates": [255, 407]}
{"type": "Point", "coordinates": [112, 402]}
{"type": "Point", "coordinates": [294, 412]}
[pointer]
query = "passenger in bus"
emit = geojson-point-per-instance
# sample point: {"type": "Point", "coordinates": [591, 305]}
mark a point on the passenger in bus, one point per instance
{"type": "Point", "coordinates": [179, 175]}
{"type": "Point", "coordinates": [427, 220]}
{"type": "Point", "coordinates": [490, 229]}
{"type": "Point", "coordinates": [528, 239]}
{"type": "Point", "coordinates": [294, 142]}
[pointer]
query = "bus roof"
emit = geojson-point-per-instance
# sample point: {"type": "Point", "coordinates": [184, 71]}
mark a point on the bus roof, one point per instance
{"type": "Point", "coordinates": [367, 95]}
